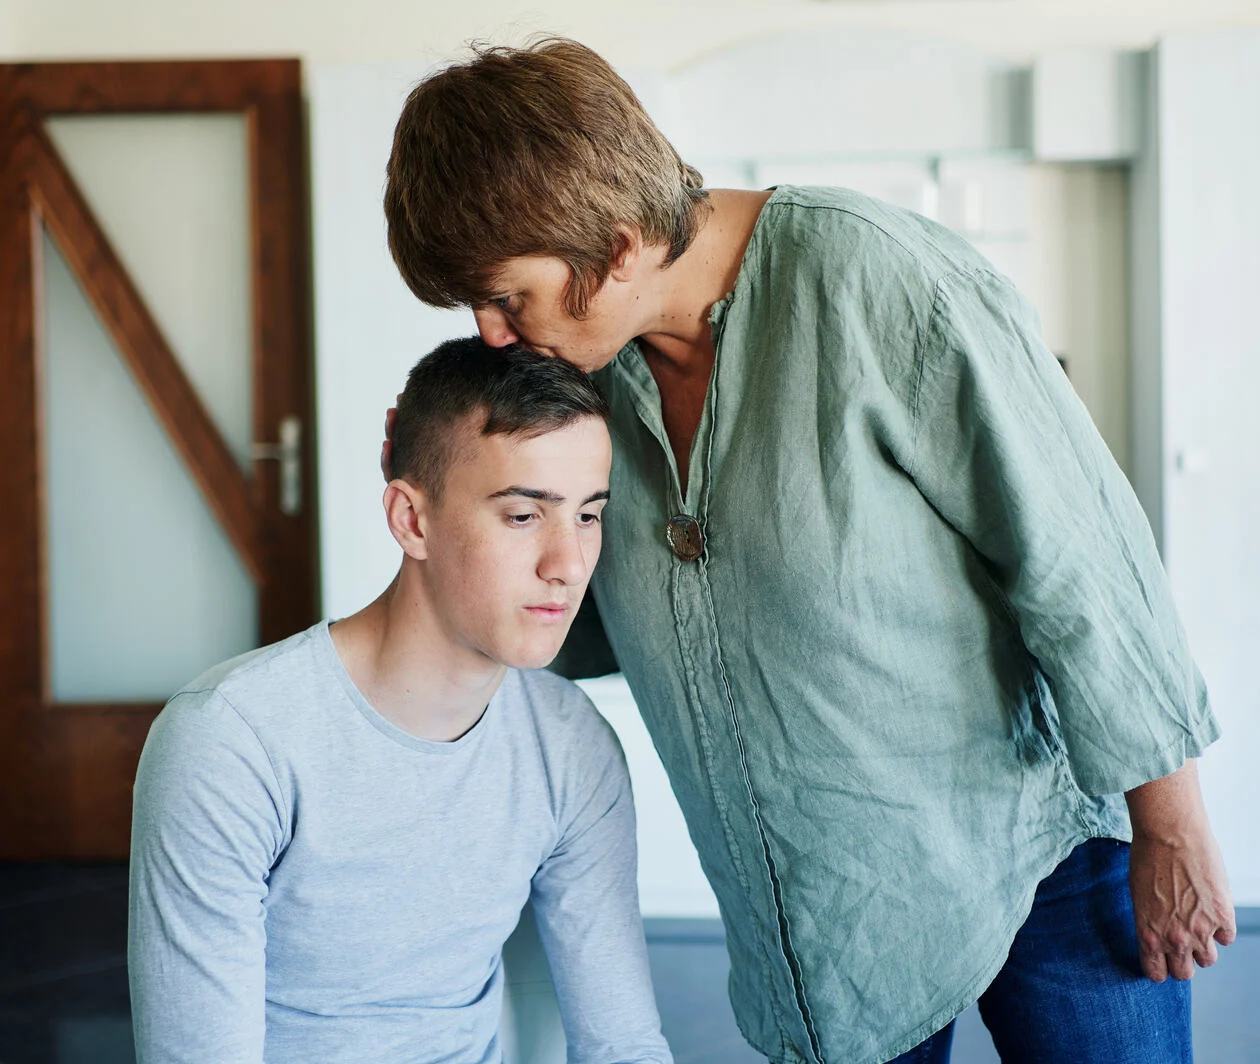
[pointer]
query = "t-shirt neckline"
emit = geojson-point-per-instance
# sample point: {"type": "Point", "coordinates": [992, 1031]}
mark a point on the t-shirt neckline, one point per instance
{"type": "Point", "coordinates": [327, 652]}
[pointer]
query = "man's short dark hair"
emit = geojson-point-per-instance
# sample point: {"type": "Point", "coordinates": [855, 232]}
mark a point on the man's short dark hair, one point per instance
{"type": "Point", "coordinates": [513, 392]}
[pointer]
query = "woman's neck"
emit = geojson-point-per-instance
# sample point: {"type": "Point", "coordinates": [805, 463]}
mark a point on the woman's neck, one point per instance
{"type": "Point", "coordinates": [702, 275]}
{"type": "Point", "coordinates": [680, 353]}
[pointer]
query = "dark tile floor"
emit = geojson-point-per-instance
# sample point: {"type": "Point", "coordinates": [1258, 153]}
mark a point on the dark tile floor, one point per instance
{"type": "Point", "coordinates": [689, 968]}
{"type": "Point", "coordinates": [63, 982]}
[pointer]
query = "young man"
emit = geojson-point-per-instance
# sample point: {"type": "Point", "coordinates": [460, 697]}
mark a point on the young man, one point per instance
{"type": "Point", "coordinates": [334, 835]}
{"type": "Point", "coordinates": [890, 611]}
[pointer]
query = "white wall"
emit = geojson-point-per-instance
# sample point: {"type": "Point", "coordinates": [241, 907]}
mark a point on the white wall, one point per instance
{"type": "Point", "coordinates": [944, 129]}
{"type": "Point", "coordinates": [1077, 275]}
{"type": "Point", "coordinates": [662, 33]}
{"type": "Point", "coordinates": [1202, 442]}
{"type": "Point", "coordinates": [369, 328]}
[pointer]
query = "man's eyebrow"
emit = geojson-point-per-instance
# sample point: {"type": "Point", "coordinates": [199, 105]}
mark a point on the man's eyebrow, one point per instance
{"type": "Point", "coordinates": [543, 496]}
{"type": "Point", "coordinates": [527, 493]}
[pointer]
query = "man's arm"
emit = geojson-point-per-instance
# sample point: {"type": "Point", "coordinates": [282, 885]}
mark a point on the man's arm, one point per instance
{"type": "Point", "coordinates": [1181, 899]}
{"type": "Point", "coordinates": [586, 902]}
{"type": "Point", "coordinates": [207, 826]}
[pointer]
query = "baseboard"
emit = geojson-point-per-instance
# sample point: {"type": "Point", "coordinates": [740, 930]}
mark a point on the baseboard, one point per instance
{"type": "Point", "coordinates": [684, 929]}
{"type": "Point", "coordinates": [702, 929]}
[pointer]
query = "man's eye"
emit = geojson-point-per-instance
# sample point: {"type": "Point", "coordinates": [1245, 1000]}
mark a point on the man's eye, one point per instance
{"type": "Point", "coordinates": [588, 519]}
{"type": "Point", "coordinates": [520, 520]}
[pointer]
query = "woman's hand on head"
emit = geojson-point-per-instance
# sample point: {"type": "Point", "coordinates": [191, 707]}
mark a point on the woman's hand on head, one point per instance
{"type": "Point", "coordinates": [387, 447]}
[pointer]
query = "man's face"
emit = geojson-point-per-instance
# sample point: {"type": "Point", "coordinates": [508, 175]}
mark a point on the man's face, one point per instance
{"type": "Point", "coordinates": [514, 538]}
{"type": "Point", "coordinates": [530, 311]}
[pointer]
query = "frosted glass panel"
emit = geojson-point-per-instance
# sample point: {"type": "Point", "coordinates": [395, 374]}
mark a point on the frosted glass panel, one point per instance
{"type": "Point", "coordinates": [145, 591]}
{"type": "Point", "coordinates": [172, 194]}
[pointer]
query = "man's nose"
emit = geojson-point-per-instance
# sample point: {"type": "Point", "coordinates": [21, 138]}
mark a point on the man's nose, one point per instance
{"type": "Point", "coordinates": [494, 327]}
{"type": "Point", "coordinates": [565, 558]}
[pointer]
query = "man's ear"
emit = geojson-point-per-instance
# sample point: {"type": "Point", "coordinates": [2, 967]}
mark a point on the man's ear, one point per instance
{"type": "Point", "coordinates": [406, 509]}
{"type": "Point", "coordinates": [626, 251]}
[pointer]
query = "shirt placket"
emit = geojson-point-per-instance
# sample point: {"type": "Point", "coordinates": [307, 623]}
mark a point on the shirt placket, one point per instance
{"type": "Point", "coordinates": [720, 735]}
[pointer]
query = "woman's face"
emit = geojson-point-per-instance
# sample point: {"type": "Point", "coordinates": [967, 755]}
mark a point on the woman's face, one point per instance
{"type": "Point", "coordinates": [528, 309]}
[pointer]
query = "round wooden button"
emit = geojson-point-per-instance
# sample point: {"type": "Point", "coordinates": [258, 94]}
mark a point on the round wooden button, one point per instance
{"type": "Point", "coordinates": [684, 536]}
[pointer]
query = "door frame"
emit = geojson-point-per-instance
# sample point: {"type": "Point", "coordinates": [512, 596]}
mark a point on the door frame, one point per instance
{"type": "Point", "coordinates": [66, 769]}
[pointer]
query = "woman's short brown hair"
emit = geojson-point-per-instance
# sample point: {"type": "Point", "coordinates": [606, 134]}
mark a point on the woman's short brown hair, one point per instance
{"type": "Point", "coordinates": [542, 150]}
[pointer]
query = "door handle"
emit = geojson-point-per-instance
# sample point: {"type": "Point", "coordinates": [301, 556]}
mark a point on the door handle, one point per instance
{"type": "Point", "coordinates": [288, 452]}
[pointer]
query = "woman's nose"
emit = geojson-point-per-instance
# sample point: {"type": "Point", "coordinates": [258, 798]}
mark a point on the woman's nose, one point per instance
{"type": "Point", "coordinates": [494, 327]}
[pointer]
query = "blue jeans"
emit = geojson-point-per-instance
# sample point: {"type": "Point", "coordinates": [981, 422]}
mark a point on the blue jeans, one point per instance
{"type": "Point", "coordinates": [1072, 989]}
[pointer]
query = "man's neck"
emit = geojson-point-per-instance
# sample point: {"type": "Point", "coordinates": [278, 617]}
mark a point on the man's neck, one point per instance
{"type": "Point", "coordinates": [405, 665]}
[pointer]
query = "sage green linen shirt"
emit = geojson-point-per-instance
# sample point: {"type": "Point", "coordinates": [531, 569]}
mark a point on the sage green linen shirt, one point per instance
{"type": "Point", "coordinates": [929, 640]}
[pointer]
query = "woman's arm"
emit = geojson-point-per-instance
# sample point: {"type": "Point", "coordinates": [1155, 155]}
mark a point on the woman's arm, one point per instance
{"type": "Point", "coordinates": [1181, 898]}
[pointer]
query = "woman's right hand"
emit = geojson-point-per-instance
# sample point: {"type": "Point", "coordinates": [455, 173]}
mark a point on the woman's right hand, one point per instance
{"type": "Point", "coordinates": [387, 447]}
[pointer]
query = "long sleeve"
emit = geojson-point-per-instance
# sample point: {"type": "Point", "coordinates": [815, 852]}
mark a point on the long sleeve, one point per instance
{"type": "Point", "coordinates": [1008, 455]}
{"type": "Point", "coordinates": [207, 826]}
{"type": "Point", "coordinates": [587, 906]}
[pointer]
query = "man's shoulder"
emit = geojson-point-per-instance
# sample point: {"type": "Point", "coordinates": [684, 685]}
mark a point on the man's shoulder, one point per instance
{"type": "Point", "coordinates": [547, 694]}
{"type": "Point", "coordinates": [558, 710]}
{"type": "Point", "coordinates": [258, 683]}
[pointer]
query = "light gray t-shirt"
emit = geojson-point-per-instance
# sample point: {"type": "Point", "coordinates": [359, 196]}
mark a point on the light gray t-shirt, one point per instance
{"type": "Point", "coordinates": [310, 883]}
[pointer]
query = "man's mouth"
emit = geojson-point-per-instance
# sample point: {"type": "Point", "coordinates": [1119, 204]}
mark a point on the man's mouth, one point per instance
{"type": "Point", "coordinates": [549, 611]}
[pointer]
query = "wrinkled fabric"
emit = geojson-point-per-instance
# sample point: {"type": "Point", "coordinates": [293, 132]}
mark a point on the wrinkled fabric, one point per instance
{"type": "Point", "coordinates": [929, 640]}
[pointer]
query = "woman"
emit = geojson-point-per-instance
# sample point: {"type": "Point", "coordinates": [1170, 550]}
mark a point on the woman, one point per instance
{"type": "Point", "coordinates": [891, 613]}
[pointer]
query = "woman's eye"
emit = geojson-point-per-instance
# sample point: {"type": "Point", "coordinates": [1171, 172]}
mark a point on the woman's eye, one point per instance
{"type": "Point", "coordinates": [501, 302]}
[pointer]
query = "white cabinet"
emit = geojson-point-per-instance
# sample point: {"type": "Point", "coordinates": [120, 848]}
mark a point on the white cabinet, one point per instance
{"type": "Point", "coordinates": [1196, 360]}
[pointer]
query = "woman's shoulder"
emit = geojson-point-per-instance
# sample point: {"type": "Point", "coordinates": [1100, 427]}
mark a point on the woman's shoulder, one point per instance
{"type": "Point", "coordinates": [826, 223]}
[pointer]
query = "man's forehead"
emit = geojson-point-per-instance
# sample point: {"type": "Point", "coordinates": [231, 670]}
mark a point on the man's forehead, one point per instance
{"type": "Point", "coordinates": [498, 453]}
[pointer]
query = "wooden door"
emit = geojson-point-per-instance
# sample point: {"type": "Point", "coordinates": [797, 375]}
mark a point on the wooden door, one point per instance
{"type": "Point", "coordinates": [67, 764]}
